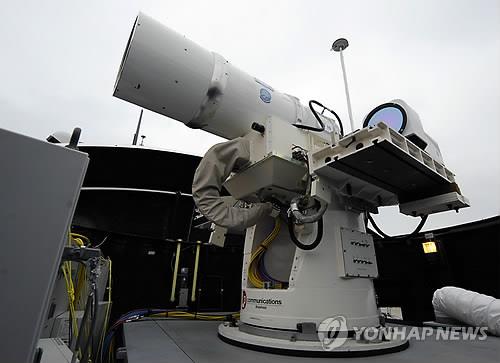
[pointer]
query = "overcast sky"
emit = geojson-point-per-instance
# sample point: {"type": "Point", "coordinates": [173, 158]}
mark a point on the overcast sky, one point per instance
{"type": "Point", "coordinates": [59, 59]}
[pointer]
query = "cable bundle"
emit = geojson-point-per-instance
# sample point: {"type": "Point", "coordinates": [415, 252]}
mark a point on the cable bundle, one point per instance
{"type": "Point", "coordinates": [257, 273]}
{"type": "Point", "coordinates": [83, 295]}
{"type": "Point", "coordinates": [74, 292]}
{"type": "Point", "coordinates": [194, 316]}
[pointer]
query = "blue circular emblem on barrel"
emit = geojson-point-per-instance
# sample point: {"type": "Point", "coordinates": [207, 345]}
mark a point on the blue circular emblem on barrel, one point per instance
{"type": "Point", "coordinates": [265, 95]}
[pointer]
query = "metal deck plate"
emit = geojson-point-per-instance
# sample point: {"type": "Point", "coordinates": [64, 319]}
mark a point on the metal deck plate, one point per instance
{"type": "Point", "coordinates": [183, 341]}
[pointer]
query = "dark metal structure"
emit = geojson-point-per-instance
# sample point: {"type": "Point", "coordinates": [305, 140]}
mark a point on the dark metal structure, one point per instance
{"type": "Point", "coordinates": [134, 202]}
{"type": "Point", "coordinates": [467, 256]}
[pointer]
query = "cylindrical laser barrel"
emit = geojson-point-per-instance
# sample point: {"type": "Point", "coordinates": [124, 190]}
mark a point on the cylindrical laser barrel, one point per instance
{"type": "Point", "coordinates": [167, 73]}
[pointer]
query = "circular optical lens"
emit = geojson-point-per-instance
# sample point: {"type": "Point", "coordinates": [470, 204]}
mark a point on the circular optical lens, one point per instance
{"type": "Point", "coordinates": [390, 115]}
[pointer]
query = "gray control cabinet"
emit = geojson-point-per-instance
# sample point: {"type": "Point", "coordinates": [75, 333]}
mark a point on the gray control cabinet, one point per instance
{"type": "Point", "coordinates": [39, 188]}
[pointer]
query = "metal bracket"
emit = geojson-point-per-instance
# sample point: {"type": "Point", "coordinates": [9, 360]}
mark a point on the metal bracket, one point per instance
{"type": "Point", "coordinates": [80, 253]}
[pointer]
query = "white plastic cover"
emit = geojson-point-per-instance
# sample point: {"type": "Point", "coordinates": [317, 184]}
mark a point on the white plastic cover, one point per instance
{"type": "Point", "coordinates": [468, 307]}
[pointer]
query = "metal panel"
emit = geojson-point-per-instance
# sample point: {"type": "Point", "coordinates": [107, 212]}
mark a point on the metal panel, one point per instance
{"type": "Point", "coordinates": [388, 167]}
{"type": "Point", "coordinates": [155, 344]}
{"type": "Point", "coordinates": [358, 254]}
{"type": "Point", "coordinates": [273, 176]}
{"type": "Point", "coordinates": [386, 163]}
{"type": "Point", "coordinates": [435, 204]}
{"type": "Point", "coordinates": [39, 188]}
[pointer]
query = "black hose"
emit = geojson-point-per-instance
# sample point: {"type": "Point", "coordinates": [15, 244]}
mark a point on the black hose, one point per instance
{"type": "Point", "coordinates": [315, 113]}
{"type": "Point", "coordinates": [386, 236]}
{"type": "Point", "coordinates": [320, 121]}
{"type": "Point", "coordinates": [302, 246]}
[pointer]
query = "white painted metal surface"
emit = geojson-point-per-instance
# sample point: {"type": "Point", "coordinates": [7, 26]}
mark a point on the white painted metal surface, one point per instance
{"type": "Point", "coordinates": [350, 346]}
{"type": "Point", "coordinates": [167, 73]}
{"type": "Point", "coordinates": [346, 87]}
{"type": "Point", "coordinates": [317, 286]}
{"type": "Point", "coordinates": [414, 127]}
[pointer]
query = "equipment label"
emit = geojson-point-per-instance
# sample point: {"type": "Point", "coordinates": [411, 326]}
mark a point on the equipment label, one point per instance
{"type": "Point", "coordinates": [265, 95]}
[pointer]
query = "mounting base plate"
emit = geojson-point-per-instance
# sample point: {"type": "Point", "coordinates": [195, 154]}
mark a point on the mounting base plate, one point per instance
{"type": "Point", "coordinates": [350, 348]}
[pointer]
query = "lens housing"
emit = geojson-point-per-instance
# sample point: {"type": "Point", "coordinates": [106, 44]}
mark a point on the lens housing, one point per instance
{"type": "Point", "coordinates": [392, 114]}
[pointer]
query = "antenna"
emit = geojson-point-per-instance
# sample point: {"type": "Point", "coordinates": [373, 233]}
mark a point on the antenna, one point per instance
{"type": "Point", "coordinates": [136, 135]}
{"type": "Point", "coordinates": [339, 46]}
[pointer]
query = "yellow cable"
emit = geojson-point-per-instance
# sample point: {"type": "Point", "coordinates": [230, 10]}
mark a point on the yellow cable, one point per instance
{"type": "Point", "coordinates": [80, 285]}
{"type": "Point", "coordinates": [74, 294]}
{"type": "Point", "coordinates": [66, 269]}
{"type": "Point", "coordinates": [252, 270]}
{"type": "Point", "coordinates": [81, 236]}
{"type": "Point", "coordinates": [197, 316]}
{"type": "Point", "coordinates": [78, 242]}
{"type": "Point", "coordinates": [70, 289]}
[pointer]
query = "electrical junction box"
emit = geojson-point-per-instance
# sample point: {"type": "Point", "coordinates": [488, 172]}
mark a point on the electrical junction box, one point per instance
{"type": "Point", "coordinates": [359, 258]}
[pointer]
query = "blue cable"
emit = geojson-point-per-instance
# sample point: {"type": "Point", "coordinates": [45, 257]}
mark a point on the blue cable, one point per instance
{"type": "Point", "coordinates": [262, 270]}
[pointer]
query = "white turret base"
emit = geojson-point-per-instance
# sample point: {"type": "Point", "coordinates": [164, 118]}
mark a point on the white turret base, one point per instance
{"type": "Point", "coordinates": [350, 348]}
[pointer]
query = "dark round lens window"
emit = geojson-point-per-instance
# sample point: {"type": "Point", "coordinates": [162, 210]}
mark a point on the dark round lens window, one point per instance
{"type": "Point", "coordinates": [392, 114]}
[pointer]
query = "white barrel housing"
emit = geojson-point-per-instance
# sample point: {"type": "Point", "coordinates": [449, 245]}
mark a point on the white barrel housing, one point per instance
{"type": "Point", "coordinates": [167, 73]}
{"type": "Point", "coordinates": [468, 307]}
